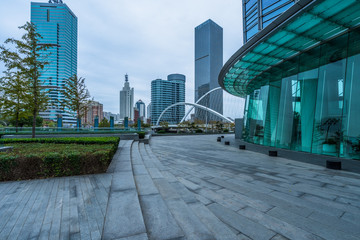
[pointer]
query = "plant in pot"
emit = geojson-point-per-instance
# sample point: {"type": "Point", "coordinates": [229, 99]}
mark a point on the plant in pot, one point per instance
{"type": "Point", "coordinates": [329, 144]}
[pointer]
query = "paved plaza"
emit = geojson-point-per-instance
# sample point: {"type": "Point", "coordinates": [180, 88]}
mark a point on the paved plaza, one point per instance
{"type": "Point", "coordinates": [186, 187]}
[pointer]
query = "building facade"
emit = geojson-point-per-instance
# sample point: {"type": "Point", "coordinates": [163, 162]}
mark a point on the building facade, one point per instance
{"type": "Point", "coordinates": [127, 100]}
{"type": "Point", "coordinates": [208, 63]}
{"type": "Point", "coordinates": [257, 14]}
{"type": "Point", "coordinates": [57, 24]}
{"type": "Point", "coordinates": [140, 106]}
{"type": "Point", "coordinates": [165, 93]}
{"type": "Point", "coordinates": [148, 108]}
{"type": "Point", "coordinates": [94, 109]}
{"type": "Point", "coordinates": [300, 76]}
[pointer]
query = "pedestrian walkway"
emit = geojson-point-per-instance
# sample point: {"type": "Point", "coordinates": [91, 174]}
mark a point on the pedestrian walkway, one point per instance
{"type": "Point", "coordinates": [186, 187]}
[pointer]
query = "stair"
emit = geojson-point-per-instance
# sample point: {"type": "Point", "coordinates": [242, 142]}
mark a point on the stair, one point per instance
{"type": "Point", "coordinates": [166, 201]}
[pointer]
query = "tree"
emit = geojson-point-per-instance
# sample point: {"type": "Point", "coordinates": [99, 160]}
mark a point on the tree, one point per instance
{"type": "Point", "coordinates": [13, 99]}
{"type": "Point", "coordinates": [164, 125]}
{"type": "Point", "coordinates": [104, 123]}
{"type": "Point", "coordinates": [29, 59]}
{"type": "Point", "coordinates": [76, 96]}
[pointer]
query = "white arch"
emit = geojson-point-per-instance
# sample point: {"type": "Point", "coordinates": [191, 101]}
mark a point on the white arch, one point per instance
{"type": "Point", "coordinates": [202, 97]}
{"type": "Point", "coordinates": [194, 105]}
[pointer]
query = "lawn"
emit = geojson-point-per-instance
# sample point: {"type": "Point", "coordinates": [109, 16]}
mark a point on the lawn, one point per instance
{"type": "Point", "coordinates": [43, 158]}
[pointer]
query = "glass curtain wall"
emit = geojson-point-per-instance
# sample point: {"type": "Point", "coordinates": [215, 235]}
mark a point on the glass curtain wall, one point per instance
{"type": "Point", "coordinates": [313, 104]}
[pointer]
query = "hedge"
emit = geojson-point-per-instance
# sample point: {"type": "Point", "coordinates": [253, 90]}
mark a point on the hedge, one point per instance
{"type": "Point", "coordinates": [93, 157]}
{"type": "Point", "coordinates": [66, 140]}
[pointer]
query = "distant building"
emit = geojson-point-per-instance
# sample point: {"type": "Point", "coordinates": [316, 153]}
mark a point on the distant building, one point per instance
{"type": "Point", "coordinates": [136, 114]}
{"type": "Point", "coordinates": [140, 106]}
{"type": "Point", "coordinates": [107, 115]}
{"type": "Point", "coordinates": [165, 93]}
{"type": "Point", "coordinates": [208, 63]}
{"type": "Point", "coordinates": [148, 111]}
{"type": "Point", "coordinates": [127, 100]}
{"type": "Point", "coordinates": [57, 25]}
{"type": "Point", "coordinates": [94, 109]}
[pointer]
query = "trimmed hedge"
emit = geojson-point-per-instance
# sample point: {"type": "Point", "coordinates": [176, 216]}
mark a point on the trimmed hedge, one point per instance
{"type": "Point", "coordinates": [67, 140]}
{"type": "Point", "coordinates": [56, 157]}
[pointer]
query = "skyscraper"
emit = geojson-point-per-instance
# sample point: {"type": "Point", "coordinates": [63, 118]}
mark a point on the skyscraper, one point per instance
{"type": "Point", "coordinates": [165, 93]}
{"type": "Point", "coordinates": [57, 24]}
{"type": "Point", "coordinates": [208, 63]}
{"type": "Point", "coordinates": [258, 14]}
{"type": "Point", "coordinates": [127, 100]}
{"type": "Point", "coordinates": [140, 106]}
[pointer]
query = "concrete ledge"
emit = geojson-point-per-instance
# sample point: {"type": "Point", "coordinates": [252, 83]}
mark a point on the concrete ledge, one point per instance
{"type": "Point", "coordinates": [6, 149]}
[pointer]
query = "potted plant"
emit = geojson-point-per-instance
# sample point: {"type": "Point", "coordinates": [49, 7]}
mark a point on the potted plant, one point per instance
{"type": "Point", "coordinates": [329, 144]}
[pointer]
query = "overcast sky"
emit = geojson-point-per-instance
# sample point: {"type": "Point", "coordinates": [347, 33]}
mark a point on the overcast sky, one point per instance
{"type": "Point", "coordinates": [148, 39]}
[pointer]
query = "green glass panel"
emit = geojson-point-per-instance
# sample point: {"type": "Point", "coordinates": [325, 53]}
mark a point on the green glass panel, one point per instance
{"type": "Point", "coordinates": [272, 114]}
{"type": "Point", "coordinates": [329, 103]}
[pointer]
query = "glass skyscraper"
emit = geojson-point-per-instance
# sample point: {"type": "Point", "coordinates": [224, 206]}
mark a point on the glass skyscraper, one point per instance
{"type": "Point", "coordinates": [257, 14]}
{"type": "Point", "coordinates": [208, 63]}
{"type": "Point", "coordinates": [165, 93]}
{"type": "Point", "coordinates": [57, 24]}
{"type": "Point", "coordinates": [300, 76]}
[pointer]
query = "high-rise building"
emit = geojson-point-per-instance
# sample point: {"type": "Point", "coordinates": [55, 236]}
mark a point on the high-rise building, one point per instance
{"type": "Point", "coordinates": [140, 106]}
{"type": "Point", "coordinates": [300, 76]}
{"type": "Point", "coordinates": [165, 93]}
{"type": "Point", "coordinates": [127, 100]}
{"type": "Point", "coordinates": [208, 63]}
{"type": "Point", "coordinates": [148, 111]}
{"type": "Point", "coordinates": [57, 24]}
{"type": "Point", "coordinates": [257, 14]}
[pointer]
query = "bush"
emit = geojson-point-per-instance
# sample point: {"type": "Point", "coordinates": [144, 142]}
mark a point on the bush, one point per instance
{"type": "Point", "coordinates": [161, 131]}
{"type": "Point", "coordinates": [198, 131]}
{"type": "Point", "coordinates": [226, 130]}
{"type": "Point", "coordinates": [66, 140]}
{"type": "Point", "coordinates": [141, 135]}
{"type": "Point", "coordinates": [56, 157]}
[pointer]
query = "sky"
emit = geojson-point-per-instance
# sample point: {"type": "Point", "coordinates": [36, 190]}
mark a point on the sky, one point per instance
{"type": "Point", "coordinates": [147, 39]}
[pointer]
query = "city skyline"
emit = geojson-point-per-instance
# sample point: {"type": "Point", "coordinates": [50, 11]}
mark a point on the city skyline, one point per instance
{"type": "Point", "coordinates": [113, 44]}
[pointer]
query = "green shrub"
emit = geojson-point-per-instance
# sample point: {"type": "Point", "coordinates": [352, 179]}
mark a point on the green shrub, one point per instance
{"type": "Point", "coordinates": [226, 130]}
{"type": "Point", "coordinates": [37, 159]}
{"type": "Point", "coordinates": [67, 140]}
{"type": "Point", "coordinates": [161, 131]}
{"type": "Point", "coordinates": [198, 131]}
{"type": "Point", "coordinates": [7, 163]}
{"type": "Point", "coordinates": [141, 135]}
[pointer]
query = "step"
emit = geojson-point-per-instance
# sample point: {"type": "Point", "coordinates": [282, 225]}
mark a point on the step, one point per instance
{"type": "Point", "coordinates": [159, 221]}
{"type": "Point", "coordinates": [197, 224]}
{"type": "Point", "coordinates": [123, 217]}
{"type": "Point", "coordinates": [218, 228]}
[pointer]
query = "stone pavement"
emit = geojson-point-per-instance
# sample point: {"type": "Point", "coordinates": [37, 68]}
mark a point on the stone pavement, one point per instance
{"type": "Point", "coordinates": [186, 187]}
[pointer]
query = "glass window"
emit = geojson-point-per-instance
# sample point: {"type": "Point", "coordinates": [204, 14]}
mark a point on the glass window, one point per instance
{"type": "Point", "coordinates": [350, 147]}
{"type": "Point", "coordinates": [328, 115]}
{"type": "Point", "coordinates": [251, 32]}
{"type": "Point", "coordinates": [275, 13]}
{"type": "Point", "coordinates": [250, 4]}
{"type": "Point", "coordinates": [269, 5]}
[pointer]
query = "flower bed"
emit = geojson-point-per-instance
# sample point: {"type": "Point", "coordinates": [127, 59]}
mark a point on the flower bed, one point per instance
{"type": "Point", "coordinates": [56, 157]}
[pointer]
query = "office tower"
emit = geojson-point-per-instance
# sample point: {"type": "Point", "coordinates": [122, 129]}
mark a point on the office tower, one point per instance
{"type": "Point", "coordinates": [57, 24]}
{"type": "Point", "coordinates": [127, 100]}
{"type": "Point", "coordinates": [140, 106]}
{"type": "Point", "coordinates": [208, 62]}
{"type": "Point", "coordinates": [148, 111]}
{"type": "Point", "coordinates": [259, 14]}
{"type": "Point", "coordinates": [165, 93]}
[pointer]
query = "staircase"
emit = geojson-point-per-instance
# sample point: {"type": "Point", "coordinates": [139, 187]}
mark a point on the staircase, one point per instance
{"type": "Point", "coordinates": [148, 202]}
